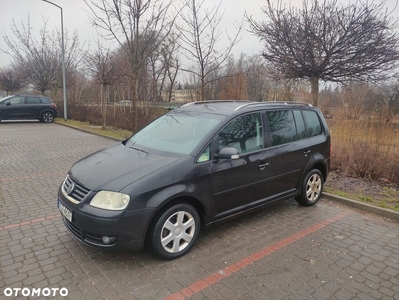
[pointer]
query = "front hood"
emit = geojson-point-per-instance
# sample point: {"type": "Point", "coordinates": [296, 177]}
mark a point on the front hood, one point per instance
{"type": "Point", "coordinates": [115, 167]}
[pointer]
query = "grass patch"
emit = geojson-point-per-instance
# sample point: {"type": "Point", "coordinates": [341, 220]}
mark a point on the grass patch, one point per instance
{"type": "Point", "coordinates": [390, 200]}
{"type": "Point", "coordinates": [110, 132]}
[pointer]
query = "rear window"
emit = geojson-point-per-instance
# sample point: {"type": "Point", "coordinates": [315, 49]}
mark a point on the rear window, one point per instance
{"type": "Point", "coordinates": [45, 100]}
{"type": "Point", "coordinates": [313, 122]}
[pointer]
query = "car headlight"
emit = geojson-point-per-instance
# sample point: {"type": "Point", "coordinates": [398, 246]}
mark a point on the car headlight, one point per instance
{"type": "Point", "coordinates": [110, 200]}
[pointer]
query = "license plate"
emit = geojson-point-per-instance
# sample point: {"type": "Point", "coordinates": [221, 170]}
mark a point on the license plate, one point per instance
{"type": "Point", "coordinates": [65, 211]}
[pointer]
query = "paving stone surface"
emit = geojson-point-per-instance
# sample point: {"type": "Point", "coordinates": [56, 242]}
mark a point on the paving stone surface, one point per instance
{"type": "Point", "coordinates": [285, 251]}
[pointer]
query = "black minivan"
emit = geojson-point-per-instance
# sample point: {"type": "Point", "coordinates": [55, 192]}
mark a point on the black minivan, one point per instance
{"type": "Point", "coordinates": [192, 167]}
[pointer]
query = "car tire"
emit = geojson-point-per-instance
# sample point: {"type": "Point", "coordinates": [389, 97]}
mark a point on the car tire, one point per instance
{"type": "Point", "coordinates": [311, 189]}
{"type": "Point", "coordinates": [47, 117]}
{"type": "Point", "coordinates": [174, 231]}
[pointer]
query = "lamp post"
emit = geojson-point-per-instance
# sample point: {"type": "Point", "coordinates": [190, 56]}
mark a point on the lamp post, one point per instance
{"type": "Point", "coordinates": [63, 58]}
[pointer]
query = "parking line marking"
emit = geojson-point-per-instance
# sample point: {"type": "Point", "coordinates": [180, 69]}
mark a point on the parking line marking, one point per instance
{"type": "Point", "coordinates": [38, 220]}
{"type": "Point", "coordinates": [210, 280]}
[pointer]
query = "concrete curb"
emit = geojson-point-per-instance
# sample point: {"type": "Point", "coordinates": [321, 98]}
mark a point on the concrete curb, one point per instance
{"type": "Point", "coordinates": [387, 213]}
{"type": "Point", "coordinates": [88, 131]}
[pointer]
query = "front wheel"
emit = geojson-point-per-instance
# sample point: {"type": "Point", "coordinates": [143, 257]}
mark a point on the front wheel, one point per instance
{"type": "Point", "coordinates": [174, 232]}
{"type": "Point", "coordinates": [311, 189]}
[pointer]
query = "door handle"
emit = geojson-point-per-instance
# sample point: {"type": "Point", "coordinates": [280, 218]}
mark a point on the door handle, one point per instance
{"type": "Point", "coordinates": [263, 166]}
{"type": "Point", "coordinates": [307, 152]}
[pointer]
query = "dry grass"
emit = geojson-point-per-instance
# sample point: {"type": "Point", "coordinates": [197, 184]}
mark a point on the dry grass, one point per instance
{"type": "Point", "coordinates": [367, 148]}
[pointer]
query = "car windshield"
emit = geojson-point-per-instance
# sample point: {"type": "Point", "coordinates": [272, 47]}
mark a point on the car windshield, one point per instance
{"type": "Point", "coordinates": [178, 132]}
{"type": "Point", "coordinates": [4, 99]}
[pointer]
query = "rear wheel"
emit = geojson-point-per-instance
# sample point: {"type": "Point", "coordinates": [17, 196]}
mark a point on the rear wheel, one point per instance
{"type": "Point", "coordinates": [311, 189]}
{"type": "Point", "coordinates": [174, 232]}
{"type": "Point", "coordinates": [47, 117]}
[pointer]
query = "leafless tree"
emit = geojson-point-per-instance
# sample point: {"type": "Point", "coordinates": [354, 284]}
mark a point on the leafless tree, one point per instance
{"type": "Point", "coordinates": [170, 62]}
{"type": "Point", "coordinates": [327, 40]}
{"type": "Point", "coordinates": [138, 26]}
{"type": "Point", "coordinates": [104, 70]}
{"type": "Point", "coordinates": [200, 34]}
{"type": "Point", "coordinates": [11, 80]}
{"type": "Point", "coordinates": [39, 59]}
{"type": "Point", "coordinates": [387, 103]}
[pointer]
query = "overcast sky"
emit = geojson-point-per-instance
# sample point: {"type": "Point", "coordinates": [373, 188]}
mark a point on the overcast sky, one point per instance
{"type": "Point", "coordinates": [76, 18]}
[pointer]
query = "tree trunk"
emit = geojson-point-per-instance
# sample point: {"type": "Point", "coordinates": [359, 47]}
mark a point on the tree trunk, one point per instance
{"type": "Point", "coordinates": [135, 87]}
{"type": "Point", "coordinates": [104, 106]}
{"type": "Point", "coordinates": [314, 83]}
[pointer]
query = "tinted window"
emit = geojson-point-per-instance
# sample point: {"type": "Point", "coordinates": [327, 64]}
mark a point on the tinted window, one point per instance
{"type": "Point", "coordinates": [45, 100]}
{"type": "Point", "coordinates": [245, 133]}
{"type": "Point", "coordinates": [300, 125]}
{"type": "Point", "coordinates": [282, 127]}
{"type": "Point", "coordinates": [313, 122]}
{"type": "Point", "coordinates": [33, 100]}
{"type": "Point", "coordinates": [17, 100]}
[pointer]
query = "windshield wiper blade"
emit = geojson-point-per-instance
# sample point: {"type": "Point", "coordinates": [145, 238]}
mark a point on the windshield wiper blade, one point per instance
{"type": "Point", "coordinates": [131, 147]}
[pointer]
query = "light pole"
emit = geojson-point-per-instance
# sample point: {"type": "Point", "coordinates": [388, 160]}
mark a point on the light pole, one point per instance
{"type": "Point", "coordinates": [63, 58]}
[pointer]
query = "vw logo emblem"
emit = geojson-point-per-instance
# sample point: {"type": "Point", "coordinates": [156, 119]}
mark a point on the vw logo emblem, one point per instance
{"type": "Point", "coordinates": [68, 187]}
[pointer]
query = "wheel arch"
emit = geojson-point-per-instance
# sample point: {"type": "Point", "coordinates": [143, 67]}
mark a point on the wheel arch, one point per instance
{"type": "Point", "coordinates": [322, 168]}
{"type": "Point", "coordinates": [181, 199]}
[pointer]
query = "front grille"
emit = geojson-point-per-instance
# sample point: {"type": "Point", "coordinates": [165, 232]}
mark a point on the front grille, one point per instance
{"type": "Point", "coordinates": [78, 192]}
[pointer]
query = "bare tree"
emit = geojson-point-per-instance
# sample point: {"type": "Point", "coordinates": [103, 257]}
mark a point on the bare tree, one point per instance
{"type": "Point", "coordinates": [199, 36]}
{"type": "Point", "coordinates": [234, 86]}
{"type": "Point", "coordinates": [101, 66]}
{"type": "Point", "coordinates": [11, 80]}
{"type": "Point", "coordinates": [35, 58]}
{"type": "Point", "coordinates": [353, 98]}
{"type": "Point", "coordinates": [39, 59]}
{"type": "Point", "coordinates": [258, 83]}
{"type": "Point", "coordinates": [170, 63]}
{"type": "Point", "coordinates": [138, 26]}
{"type": "Point", "coordinates": [326, 40]}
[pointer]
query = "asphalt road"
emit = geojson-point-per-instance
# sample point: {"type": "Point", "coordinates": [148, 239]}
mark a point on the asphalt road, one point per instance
{"type": "Point", "coordinates": [328, 251]}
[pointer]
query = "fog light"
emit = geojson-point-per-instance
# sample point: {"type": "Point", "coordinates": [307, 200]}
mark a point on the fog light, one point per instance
{"type": "Point", "coordinates": [108, 240]}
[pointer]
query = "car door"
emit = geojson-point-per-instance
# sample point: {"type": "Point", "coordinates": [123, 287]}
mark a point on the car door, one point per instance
{"type": "Point", "coordinates": [290, 151]}
{"type": "Point", "coordinates": [14, 110]}
{"type": "Point", "coordinates": [238, 184]}
{"type": "Point", "coordinates": [33, 107]}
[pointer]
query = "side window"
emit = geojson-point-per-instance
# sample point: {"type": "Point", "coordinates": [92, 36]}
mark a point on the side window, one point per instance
{"type": "Point", "coordinates": [45, 100]}
{"type": "Point", "coordinates": [313, 122]}
{"type": "Point", "coordinates": [17, 100]}
{"type": "Point", "coordinates": [33, 100]}
{"type": "Point", "coordinates": [300, 125]}
{"type": "Point", "coordinates": [205, 155]}
{"type": "Point", "coordinates": [245, 133]}
{"type": "Point", "coordinates": [282, 127]}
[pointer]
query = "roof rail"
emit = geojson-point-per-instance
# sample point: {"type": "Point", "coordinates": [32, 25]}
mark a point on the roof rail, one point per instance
{"type": "Point", "coordinates": [273, 102]}
{"type": "Point", "coordinates": [212, 101]}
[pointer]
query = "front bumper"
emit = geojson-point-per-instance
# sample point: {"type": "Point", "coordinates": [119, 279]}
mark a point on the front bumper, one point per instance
{"type": "Point", "coordinates": [124, 230]}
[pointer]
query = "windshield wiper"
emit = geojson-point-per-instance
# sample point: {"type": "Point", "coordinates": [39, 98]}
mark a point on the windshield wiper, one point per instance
{"type": "Point", "coordinates": [131, 147]}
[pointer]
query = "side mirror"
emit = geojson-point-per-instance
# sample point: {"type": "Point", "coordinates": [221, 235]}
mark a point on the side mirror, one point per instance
{"type": "Point", "coordinates": [8, 102]}
{"type": "Point", "coordinates": [227, 153]}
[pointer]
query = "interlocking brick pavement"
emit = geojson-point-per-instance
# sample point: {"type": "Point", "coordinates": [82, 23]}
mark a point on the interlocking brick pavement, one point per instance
{"type": "Point", "coordinates": [285, 251]}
